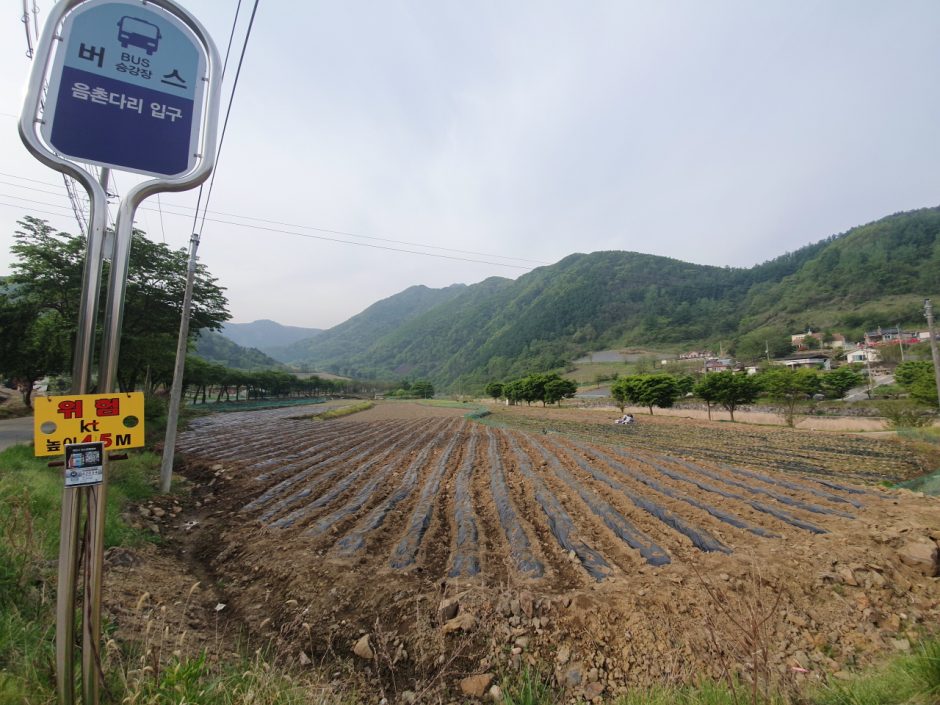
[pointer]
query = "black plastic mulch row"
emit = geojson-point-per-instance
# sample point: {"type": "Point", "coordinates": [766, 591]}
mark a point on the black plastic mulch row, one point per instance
{"type": "Point", "coordinates": [721, 515]}
{"type": "Point", "coordinates": [519, 547]}
{"type": "Point", "coordinates": [466, 561]}
{"type": "Point", "coordinates": [782, 498]}
{"type": "Point", "coordinates": [407, 549]}
{"type": "Point", "coordinates": [700, 538]}
{"type": "Point", "coordinates": [614, 520]}
{"type": "Point", "coordinates": [342, 463]}
{"type": "Point", "coordinates": [759, 506]}
{"type": "Point", "coordinates": [309, 467]}
{"type": "Point", "coordinates": [559, 521]}
{"type": "Point", "coordinates": [340, 487]}
{"type": "Point", "coordinates": [355, 539]}
{"type": "Point", "coordinates": [791, 485]}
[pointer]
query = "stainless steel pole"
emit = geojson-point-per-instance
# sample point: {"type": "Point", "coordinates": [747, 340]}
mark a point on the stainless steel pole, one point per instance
{"type": "Point", "coordinates": [71, 496]}
{"type": "Point", "coordinates": [97, 494]}
{"type": "Point", "coordinates": [176, 391]}
{"type": "Point", "coordinates": [30, 118]}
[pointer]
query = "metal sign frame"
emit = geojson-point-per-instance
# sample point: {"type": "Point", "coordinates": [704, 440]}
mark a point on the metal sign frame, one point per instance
{"type": "Point", "coordinates": [84, 119]}
{"type": "Point", "coordinates": [31, 119]}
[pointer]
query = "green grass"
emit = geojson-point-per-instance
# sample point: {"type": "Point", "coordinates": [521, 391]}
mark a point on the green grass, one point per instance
{"type": "Point", "coordinates": [343, 411]}
{"type": "Point", "coordinates": [528, 687]}
{"type": "Point", "coordinates": [29, 487]}
{"type": "Point", "coordinates": [30, 503]}
{"type": "Point", "coordinates": [587, 373]}
{"type": "Point", "coordinates": [912, 679]}
{"type": "Point", "coordinates": [249, 681]}
{"type": "Point", "coordinates": [925, 435]}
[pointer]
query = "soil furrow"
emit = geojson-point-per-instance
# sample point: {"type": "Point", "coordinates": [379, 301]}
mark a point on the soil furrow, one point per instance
{"type": "Point", "coordinates": [614, 520]}
{"type": "Point", "coordinates": [407, 548]}
{"type": "Point", "coordinates": [559, 521]}
{"type": "Point", "coordinates": [519, 546]}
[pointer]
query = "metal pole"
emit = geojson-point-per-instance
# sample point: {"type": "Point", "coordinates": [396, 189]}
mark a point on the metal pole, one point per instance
{"type": "Point", "coordinates": [30, 119]}
{"type": "Point", "coordinates": [107, 374]}
{"type": "Point", "coordinates": [928, 311]}
{"type": "Point", "coordinates": [176, 392]}
{"type": "Point", "coordinates": [71, 496]}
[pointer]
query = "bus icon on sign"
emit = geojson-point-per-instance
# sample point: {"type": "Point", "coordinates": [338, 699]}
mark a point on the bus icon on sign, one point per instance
{"type": "Point", "coordinates": [133, 31]}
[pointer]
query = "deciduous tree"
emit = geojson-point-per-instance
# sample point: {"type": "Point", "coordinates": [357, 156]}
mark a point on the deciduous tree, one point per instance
{"type": "Point", "coordinates": [838, 382]}
{"type": "Point", "coordinates": [47, 280]}
{"type": "Point", "coordinates": [494, 389]}
{"type": "Point", "coordinates": [730, 389]}
{"type": "Point", "coordinates": [789, 387]}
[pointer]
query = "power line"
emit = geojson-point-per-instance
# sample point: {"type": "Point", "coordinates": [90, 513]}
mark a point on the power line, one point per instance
{"type": "Point", "coordinates": [23, 178]}
{"type": "Point", "coordinates": [31, 188]}
{"type": "Point", "coordinates": [329, 231]}
{"type": "Point", "coordinates": [37, 210]}
{"type": "Point", "coordinates": [228, 50]}
{"type": "Point", "coordinates": [318, 237]}
{"type": "Point", "coordinates": [228, 109]}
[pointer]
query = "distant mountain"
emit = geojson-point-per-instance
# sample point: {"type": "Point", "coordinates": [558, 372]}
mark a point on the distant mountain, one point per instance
{"type": "Point", "coordinates": [214, 347]}
{"type": "Point", "coordinates": [380, 319]}
{"type": "Point", "coordinates": [266, 334]}
{"type": "Point", "coordinates": [877, 274]}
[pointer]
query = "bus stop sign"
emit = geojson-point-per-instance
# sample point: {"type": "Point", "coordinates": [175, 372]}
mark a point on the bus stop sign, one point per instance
{"type": "Point", "coordinates": [126, 89]}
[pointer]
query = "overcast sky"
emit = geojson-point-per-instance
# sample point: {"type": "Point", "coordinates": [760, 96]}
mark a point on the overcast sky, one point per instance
{"type": "Point", "coordinates": [515, 133]}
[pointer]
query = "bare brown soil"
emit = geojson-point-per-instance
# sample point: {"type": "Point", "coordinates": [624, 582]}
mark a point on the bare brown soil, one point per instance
{"type": "Point", "coordinates": [617, 556]}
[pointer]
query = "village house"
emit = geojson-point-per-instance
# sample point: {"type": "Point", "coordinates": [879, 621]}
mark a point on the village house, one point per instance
{"type": "Point", "coordinates": [719, 364]}
{"type": "Point", "coordinates": [863, 355]}
{"type": "Point", "coordinates": [887, 335]}
{"type": "Point", "coordinates": [798, 340]}
{"type": "Point", "coordinates": [805, 359]}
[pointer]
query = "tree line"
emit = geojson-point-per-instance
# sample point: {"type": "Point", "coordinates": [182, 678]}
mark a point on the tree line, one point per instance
{"type": "Point", "coordinates": [202, 380]}
{"type": "Point", "coordinates": [731, 390]}
{"type": "Point", "coordinates": [548, 388]}
{"type": "Point", "coordinates": [39, 307]}
{"type": "Point", "coordinates": [39, 316]}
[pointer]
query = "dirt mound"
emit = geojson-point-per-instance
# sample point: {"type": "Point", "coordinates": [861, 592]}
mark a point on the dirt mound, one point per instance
{"type": "Point", "coordinates": [437, 546]}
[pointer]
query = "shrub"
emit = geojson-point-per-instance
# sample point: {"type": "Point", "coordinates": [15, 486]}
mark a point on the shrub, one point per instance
{"type": "Point", "coordinates": [906, 415]}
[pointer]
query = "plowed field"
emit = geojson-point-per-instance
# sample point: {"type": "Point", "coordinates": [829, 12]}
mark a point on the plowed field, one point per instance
{"type": "Point", "coordinates": [617, 562]}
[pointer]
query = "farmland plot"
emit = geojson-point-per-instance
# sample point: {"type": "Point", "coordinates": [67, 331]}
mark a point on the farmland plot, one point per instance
{"type": "Point", "coordinates": [618, 552]}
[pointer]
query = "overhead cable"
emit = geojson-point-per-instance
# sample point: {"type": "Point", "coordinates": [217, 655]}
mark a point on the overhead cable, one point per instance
{"type": "Point", "coordinates": [330, 231]}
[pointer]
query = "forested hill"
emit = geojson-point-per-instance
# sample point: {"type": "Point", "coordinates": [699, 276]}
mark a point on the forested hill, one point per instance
{"type": "Point", "coordinates": [875, 274]}
{"type": "Point", "coordinates": [266, 334]}
{"type": "Point", "coordinates": [213, 347]}
{"type": "Point", "coordinates": [363, 329]}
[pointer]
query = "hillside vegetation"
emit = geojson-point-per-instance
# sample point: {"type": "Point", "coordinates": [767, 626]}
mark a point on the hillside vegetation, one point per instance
{"type": "Point", "coordinates": [216, 348]}
{"type": "Point", "coordinates": [876, 274]}
{"type": "Point", "coordinates": [266, 334]}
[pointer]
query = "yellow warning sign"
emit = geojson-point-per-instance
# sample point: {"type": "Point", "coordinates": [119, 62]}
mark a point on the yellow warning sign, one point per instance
{"type": "Point", "coordinates": [116, 419]}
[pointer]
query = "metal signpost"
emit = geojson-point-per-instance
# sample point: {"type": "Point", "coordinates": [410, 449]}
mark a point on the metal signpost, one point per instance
{"type": "Point", "coordinates": [132, 86]}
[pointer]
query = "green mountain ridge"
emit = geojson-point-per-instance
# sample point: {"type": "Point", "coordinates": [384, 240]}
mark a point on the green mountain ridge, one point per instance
{"type": "Point", "coordinates": [266, 334]}
{"type": "Point", "coordinates": [875, 274]}
{"type": "Point", "coordinates": [380, 319]}
{"type": "Point", "coordinates": [219, 349]}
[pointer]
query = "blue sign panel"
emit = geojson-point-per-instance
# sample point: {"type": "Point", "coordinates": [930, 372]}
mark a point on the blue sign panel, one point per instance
{"type": "Point", "coordinates": [126, 89]}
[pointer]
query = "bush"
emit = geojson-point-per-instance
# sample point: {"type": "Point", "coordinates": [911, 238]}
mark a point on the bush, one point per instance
{"type": "Point", "coordinates": [906, 414]}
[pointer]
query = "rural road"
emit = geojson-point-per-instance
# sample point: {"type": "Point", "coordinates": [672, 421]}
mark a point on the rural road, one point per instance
{"type": "Point", "coordinates": [13, 431]}
{"type": "Point", "coordinates": [859, 393]}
